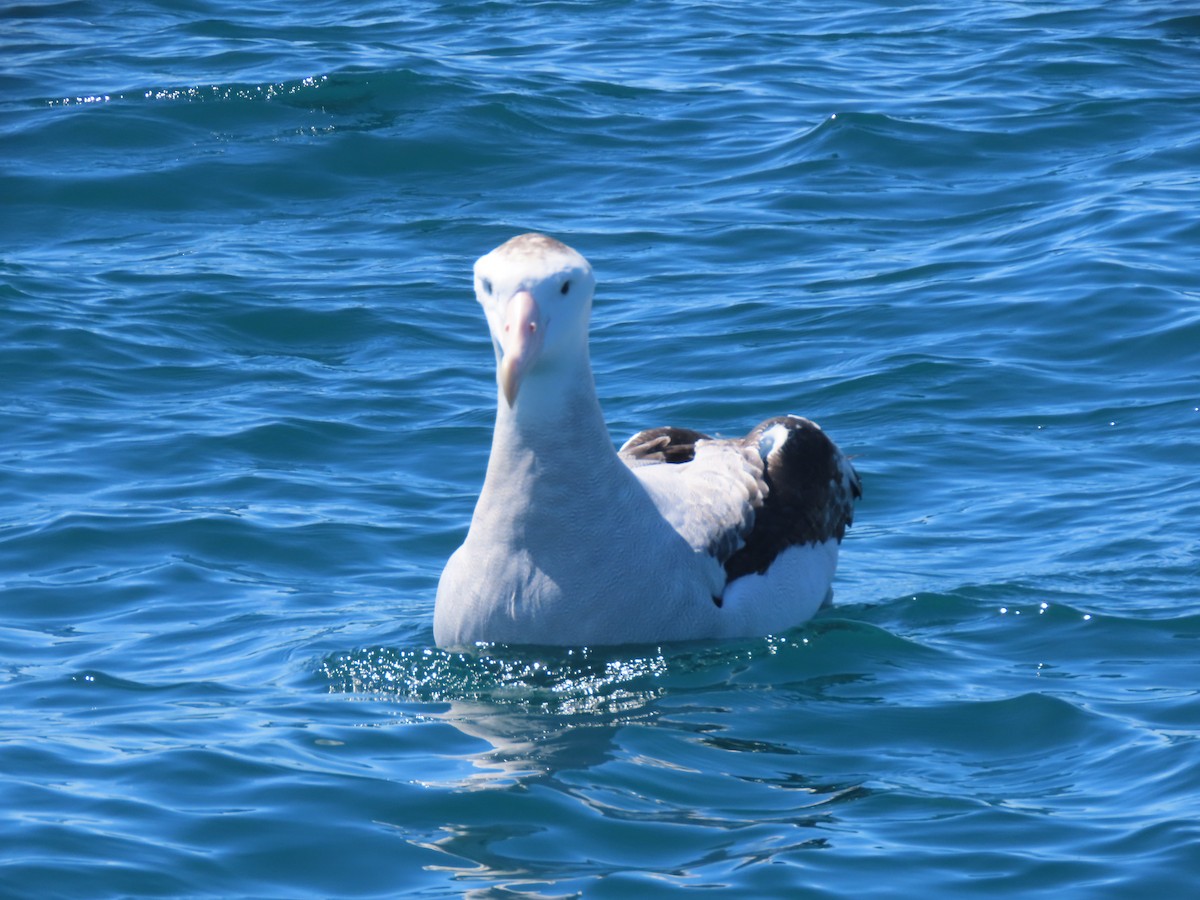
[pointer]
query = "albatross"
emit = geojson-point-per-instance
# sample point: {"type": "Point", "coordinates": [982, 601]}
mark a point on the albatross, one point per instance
{"type": "Point", "coordinates": [675, 536]}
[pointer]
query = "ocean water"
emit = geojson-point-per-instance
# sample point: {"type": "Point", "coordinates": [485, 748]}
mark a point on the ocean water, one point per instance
{"type": "Point", "coordinates": [247, 399]}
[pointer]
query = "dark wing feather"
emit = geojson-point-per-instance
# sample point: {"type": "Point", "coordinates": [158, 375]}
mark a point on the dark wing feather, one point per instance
{"type": "Point", "coordinates": [670, 445]}
{"type": "Point", "coordinates": [811, 489]}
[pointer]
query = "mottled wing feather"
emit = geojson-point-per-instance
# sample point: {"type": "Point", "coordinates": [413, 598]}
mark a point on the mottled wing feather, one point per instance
{"type": "Point", "coordinates": [670, 445]}
{"type": "Point", "coordinates": [707, 489]}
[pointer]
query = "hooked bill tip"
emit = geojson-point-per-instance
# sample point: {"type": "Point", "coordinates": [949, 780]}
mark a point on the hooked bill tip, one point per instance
{"type": "Point", "coordinates": [510, 380]}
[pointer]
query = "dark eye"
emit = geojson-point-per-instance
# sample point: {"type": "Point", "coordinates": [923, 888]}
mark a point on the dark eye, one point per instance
{"type": "Point", "coordinates": [487, 285]}
{"type": "Point", "coordinates": [566, 287]}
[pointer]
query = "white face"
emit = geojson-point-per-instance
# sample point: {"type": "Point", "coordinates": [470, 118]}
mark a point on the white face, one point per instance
{"type": "Point", "coordinates": [537, 295]}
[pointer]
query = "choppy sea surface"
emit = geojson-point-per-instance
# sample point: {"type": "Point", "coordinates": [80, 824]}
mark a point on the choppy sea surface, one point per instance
{"type": "Point", "coordinates": [246, 397]}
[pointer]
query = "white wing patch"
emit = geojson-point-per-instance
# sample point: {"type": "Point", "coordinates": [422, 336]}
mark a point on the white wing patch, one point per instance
{"type": "Point", "coordinates": [710, 501]}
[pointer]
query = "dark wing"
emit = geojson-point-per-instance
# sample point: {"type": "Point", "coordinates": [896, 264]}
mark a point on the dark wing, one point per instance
{"type": "Point", "coordinates": [744, 501]}
{"type": "Point", "coordinates": [811, 489]}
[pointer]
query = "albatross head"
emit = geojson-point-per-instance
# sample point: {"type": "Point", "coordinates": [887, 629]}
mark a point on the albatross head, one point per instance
{"type": "Point", "coordinates": [537, 294]}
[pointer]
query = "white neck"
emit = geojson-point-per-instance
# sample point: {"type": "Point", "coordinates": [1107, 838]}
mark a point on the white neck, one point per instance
{"type": "Point", "coordinates": [552, 453]}
{"type": "Point", "coordinates": [557, 417]}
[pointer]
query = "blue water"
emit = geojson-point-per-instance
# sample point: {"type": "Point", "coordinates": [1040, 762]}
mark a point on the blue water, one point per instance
{"type": "Point", "coordinates": [247, 400]}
